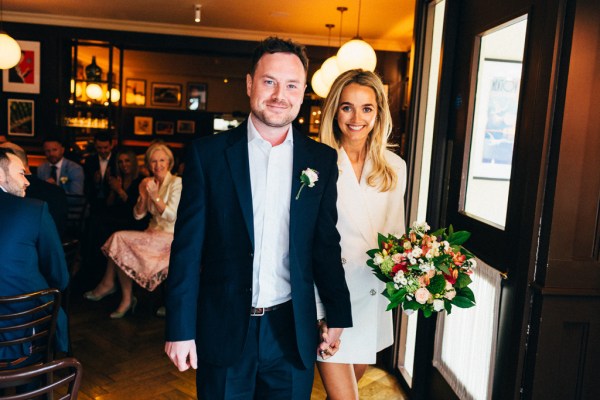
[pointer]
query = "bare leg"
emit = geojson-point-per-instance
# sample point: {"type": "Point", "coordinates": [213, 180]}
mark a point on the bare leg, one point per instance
{"type": "Point", "coordinates": [359, 371]}
{"type": "Point", "coordinates": [125, 282]}
{"type": "Point", "coordinates": [108, 280]}
{"type": "Point", "coordinates": [339, 380]}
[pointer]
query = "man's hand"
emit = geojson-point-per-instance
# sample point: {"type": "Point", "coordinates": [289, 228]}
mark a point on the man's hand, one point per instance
{"type": "Point", "coordinates": [330, 340]}
{"type": "Point", "coordinates": [182, 354]}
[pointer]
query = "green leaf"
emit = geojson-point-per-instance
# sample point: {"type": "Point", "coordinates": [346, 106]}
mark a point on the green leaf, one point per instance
{"type": "Point", "coordinates": [372, 252]}
{"type": "Point", "coordinates": [444, 268]}
{"type": "Point", "coordinates": [458, 238]}
{"type": "Point", "coordinates": [467, 293]}
{"type": "Point", "coordinates": [463, 280]}
{"type": "Point", "coordinates": [411, 305]}
{"type": "Point", "coordinates": [427, 312]}
{"type": "Point", "coordinates": [450, 230]}
{"type": "Point", "coordinates": [462, 302]}
{"type": "Point", "coordinates": [439, 232]}
{"type": "Point", "coordinates": [437, 284]}
{"type": "Point", "coordinates": [381, 239]}
{"type": "Point", "coordinates": [448, 306]}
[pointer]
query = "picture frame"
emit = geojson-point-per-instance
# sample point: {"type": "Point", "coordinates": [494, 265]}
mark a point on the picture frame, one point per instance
{"type": "Point", "coordinates": [495, 118]}
{"type": "Point", "coordinates": [166, 94]}
{"type": "Point", "coordinates": [135, 92]}
{"type": "Point", "coordinates": [21, 120]}
{"type": "Point", "coordinates": [186, 126]}
{"type": "Point", "coordinates": [196, 96]}
{"type": "Point", "coordinates": [142, 125]}
{"type": "Point", "coordinates": [164, 128]}
{"type": "Point", "coordinates": [25, 76]}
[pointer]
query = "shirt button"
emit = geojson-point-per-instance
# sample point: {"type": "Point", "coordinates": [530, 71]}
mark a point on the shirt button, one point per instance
{"type": "Point", "coordinates": [373, 292]}
{"type": "Point", "coordinates": [251, 254]}
{"type": "Point", "coordinates": [343, 260]}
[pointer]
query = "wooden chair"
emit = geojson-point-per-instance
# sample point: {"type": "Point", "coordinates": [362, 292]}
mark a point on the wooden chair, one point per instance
{"type": "Point", "coordinates": [29, 320]}
{"type": "Point", "coordinates": [53, 377]}
{"type": "Point", "coordinates": [78, 211]}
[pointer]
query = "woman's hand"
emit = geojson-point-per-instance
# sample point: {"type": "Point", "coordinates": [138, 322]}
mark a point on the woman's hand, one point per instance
{"type": "Point", "coordinates": [152, 188]}
{"type": "Point", "coordinates": [330, 340]}
{"type": "Point", "coordinates": [115, 183]}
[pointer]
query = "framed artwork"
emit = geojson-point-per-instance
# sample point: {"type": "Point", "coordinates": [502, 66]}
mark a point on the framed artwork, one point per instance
{"type": "Point", "coordinates": [166, 94]}
{"type": "Point", "coordinates": [20, 117]}
{"type": "Point", "coordinates": [25, 76]}
{"type": "Point", "coordinates": [164, 128]}
{"type": "Point", "coordinates": [196, 96]}
{"type": "Point", "coordinates": [184, 126]}
{"type": "Point", "coordinates": [495, 119]}
{"type": "Point", "coordinates": [142, 125]}
{"type": "Point", "coordinates": [135, 92]}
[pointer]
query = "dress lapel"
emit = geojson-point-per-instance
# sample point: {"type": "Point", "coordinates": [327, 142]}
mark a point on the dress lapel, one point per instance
{"type": "Point", "coordinates": [352, 196]}
{"type": "Point", "coordinates": [237, 158]}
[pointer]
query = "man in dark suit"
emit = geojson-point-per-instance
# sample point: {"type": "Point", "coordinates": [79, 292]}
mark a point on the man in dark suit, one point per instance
{"type": "Point", "coordinates": [42, 190]}
{"type": "Point", "coordinates": [250, 246]}
{"type": "Point", "coordinates": [32, 255]}
{"type": "Point", "coordinates": [98, 168]}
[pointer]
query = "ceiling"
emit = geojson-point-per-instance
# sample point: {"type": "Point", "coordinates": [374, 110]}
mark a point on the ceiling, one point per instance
{"type": "Point", "coordinates": [385, 24]}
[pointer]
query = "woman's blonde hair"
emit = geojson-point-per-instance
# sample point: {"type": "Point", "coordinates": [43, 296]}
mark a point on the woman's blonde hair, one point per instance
{"type": "Point", "coordinates": [154, 147]}
{"type": "Point", "coordinates": [383, 175]}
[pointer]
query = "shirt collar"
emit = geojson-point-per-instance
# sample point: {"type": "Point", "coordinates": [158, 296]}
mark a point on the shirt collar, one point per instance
{"type": "Point", "coordinates": [254, 135]}
{"type": "Point", "coordinates": [58, 164]}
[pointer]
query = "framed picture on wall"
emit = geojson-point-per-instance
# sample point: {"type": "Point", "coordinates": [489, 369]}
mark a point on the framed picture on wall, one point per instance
{"type": "Point", "coordinates": [164, 128]}
{"type": "Point", "coordinates": [135, 92]}
{"type": "Point", "coordinates": [20, 117]}
{"type": "Point", "coordinates": [196, 96]}
{"type": "Point", "coordinates": [184, 126]}
{"type": "Point", "coordinates": [142, 125]}
{"type": "Point", "coordinates": [25, 76]}
{"type": "Point", "coordinates": [166, 94]}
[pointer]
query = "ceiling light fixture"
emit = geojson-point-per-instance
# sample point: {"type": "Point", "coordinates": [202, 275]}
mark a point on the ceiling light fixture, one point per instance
{"type": "Point", "coordinates": [197, 15]}
{"type": "Point", "coordinates": [356, 53]}
{"type": "Point", "coordinates": [10, 51]}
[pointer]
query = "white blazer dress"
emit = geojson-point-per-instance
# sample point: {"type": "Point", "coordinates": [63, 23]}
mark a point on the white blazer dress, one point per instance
{"type": "Point", "coordinates": [363, 211]}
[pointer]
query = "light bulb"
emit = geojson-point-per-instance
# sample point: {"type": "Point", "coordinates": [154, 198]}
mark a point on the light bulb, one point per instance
{"type": "Point", "coordinates": [329, 71]}
{"type": "Point", "coordinates": [10, 52]}
{"type": "Point", "coordinates": [93, 91]}
{"type": "Point", "coordinates": [318, 85]}
{"type": "Point", "coordinates": [356, 54]}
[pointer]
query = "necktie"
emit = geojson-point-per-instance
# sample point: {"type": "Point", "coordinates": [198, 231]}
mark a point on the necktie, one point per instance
{"type": "Point", "coordinates": [53, 174]}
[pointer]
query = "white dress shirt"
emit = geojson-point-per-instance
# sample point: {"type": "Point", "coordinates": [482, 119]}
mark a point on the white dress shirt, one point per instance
{"type": "Point", "coordinates": [271, 183]}
{"type": "Point", "coordinates": [103, 164]}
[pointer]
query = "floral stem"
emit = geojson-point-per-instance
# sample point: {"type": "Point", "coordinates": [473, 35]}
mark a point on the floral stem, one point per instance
{"type": "Point", "coordinates": [300, 191]}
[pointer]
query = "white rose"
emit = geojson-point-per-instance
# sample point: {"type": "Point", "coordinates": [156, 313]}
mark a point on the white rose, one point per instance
{"type": "Point", "coordinates": [312, 176]}
{"type": "Point", "coordinates": [422, 295]}
{"type": "Point", "coordinates": [403, 281]}
{"type": "Point", "coordinates": [413, 261]}
{"type": "Point", "coordinates": [450, 294]}
{"type": "Point", "coordinates": [438, 305]}
{"type": "Point", "coordinates": [417, 252]}
{"type": "Point", "coordinates": [421, 226]}
{"type": "Point", "coordinates": [407, 246]}
{"type": "Point", "coordinates": [378, 259]}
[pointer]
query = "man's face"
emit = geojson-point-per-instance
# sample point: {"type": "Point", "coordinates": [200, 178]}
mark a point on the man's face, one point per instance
{"type": "Point", "coordinates": [54, 152]}
{"type": "Point", "coordinates": [13, 180]}
{"type": "Point", "coordinates": [103, 148]}
{"type": "Point", "coordinates": [277, 89]}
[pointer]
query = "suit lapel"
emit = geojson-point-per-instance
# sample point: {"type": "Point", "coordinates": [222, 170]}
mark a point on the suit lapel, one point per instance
{"type": "Point", "coordinates": [302, 159]}
{"type": "Point", "coordinates": [237, 158]}
{"type": "Point", "coordinates": [352, 196]}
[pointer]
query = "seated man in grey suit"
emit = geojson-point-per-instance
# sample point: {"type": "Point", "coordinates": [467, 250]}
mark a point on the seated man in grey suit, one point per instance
{"type": "Point", "coordinates": [32, 255]}
{"type": "Point", "coordinates": [59, 170]}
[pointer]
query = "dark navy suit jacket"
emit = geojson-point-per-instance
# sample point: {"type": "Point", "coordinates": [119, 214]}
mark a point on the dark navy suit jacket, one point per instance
{"type": "Point", "coordinates": [210, 273]}
{"type": "Point", "coordinates": [31, 258]}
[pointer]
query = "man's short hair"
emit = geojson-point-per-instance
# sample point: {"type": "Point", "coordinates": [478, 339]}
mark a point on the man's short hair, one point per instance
{"type": "Point", "coordinates": [53, 138]}
{"type": "Point", "coordinates": [4, 160]}
{"type": "Point", "coordinates": [17, 151]}
{"type": "Point", "coordinates": [272, 45]}
{"type": "Point", "coordinates": [102, 137]}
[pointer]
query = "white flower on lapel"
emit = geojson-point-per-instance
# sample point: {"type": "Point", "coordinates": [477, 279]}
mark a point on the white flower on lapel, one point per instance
{"type": "Point", "coordinates": [308, 178]}
{"type": "Point", "coordinates": [63, 179]}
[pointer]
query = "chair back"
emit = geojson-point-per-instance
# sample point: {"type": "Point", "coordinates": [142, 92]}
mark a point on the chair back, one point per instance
{"type": "Point", "coordinates": [28, 321]}
{"type": "Point", "coordinates": [78, 210]}
{"type": "Point", "coordinates": [63, 385]}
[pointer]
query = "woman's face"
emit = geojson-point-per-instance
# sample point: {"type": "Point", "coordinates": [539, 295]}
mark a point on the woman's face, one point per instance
{"type": "Point", "coordinates": [125, 164]}
{"type": "Point", "coordinates": [356, 113]}
{"type": "Point", "coordinates": [159, 164]}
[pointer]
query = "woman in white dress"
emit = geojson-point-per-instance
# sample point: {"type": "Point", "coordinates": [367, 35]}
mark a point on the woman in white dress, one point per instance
{"type": "Point", "coordinates": [143, 256]}
{"type": "Point", "coordinates": [356, 122]}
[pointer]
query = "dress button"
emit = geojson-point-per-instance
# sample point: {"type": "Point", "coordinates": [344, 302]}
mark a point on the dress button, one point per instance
{"type": "Point", "coordinates": [343, 260]}
{"type": "Point", "coordinates": [373, 292]}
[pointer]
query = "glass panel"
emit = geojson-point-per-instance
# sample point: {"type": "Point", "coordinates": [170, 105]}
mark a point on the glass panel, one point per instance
{"type": "Point", "coordinates": [494, 122]}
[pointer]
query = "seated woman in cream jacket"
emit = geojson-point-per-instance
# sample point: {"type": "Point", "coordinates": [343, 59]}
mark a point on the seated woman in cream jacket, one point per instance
{"type": "Point", "coordinates": [143, 256]}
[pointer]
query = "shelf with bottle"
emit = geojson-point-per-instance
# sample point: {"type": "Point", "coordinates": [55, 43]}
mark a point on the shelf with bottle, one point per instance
{"type": "Point", "coordinates": [94, 93]}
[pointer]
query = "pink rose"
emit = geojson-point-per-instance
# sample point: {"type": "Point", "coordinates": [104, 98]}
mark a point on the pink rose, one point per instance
{"type": "Point", "coordinates": [422, 295]}
{"type": "Point", "coordinates": [396, 258]}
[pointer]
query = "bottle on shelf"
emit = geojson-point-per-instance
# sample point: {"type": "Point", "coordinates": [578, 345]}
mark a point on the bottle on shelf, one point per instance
{"type": "Point", "coordinates": [93, 72]}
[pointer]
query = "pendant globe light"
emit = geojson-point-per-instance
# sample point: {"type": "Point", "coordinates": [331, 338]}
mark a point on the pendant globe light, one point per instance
{"type": "Point", "coordinates": [10, 51]}
{"type": "Point", "coordinates": [356, 53]}
{"type": "Point", "coordinates": [324, 76]}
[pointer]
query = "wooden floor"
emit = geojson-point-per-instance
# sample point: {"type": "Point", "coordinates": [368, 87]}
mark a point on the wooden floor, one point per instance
{"type": "Point", "coordinates": [124, 359]}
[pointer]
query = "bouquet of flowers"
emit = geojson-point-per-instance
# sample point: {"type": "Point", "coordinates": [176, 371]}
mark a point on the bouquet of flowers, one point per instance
{"type": "Point", "coordinates": [427, 271]}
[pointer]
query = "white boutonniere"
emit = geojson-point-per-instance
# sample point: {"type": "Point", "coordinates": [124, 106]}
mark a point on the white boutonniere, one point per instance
{"type": "Point", "coordinates": [63, 179]}
{"type": "Point", "coordinates": [308, 178]}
